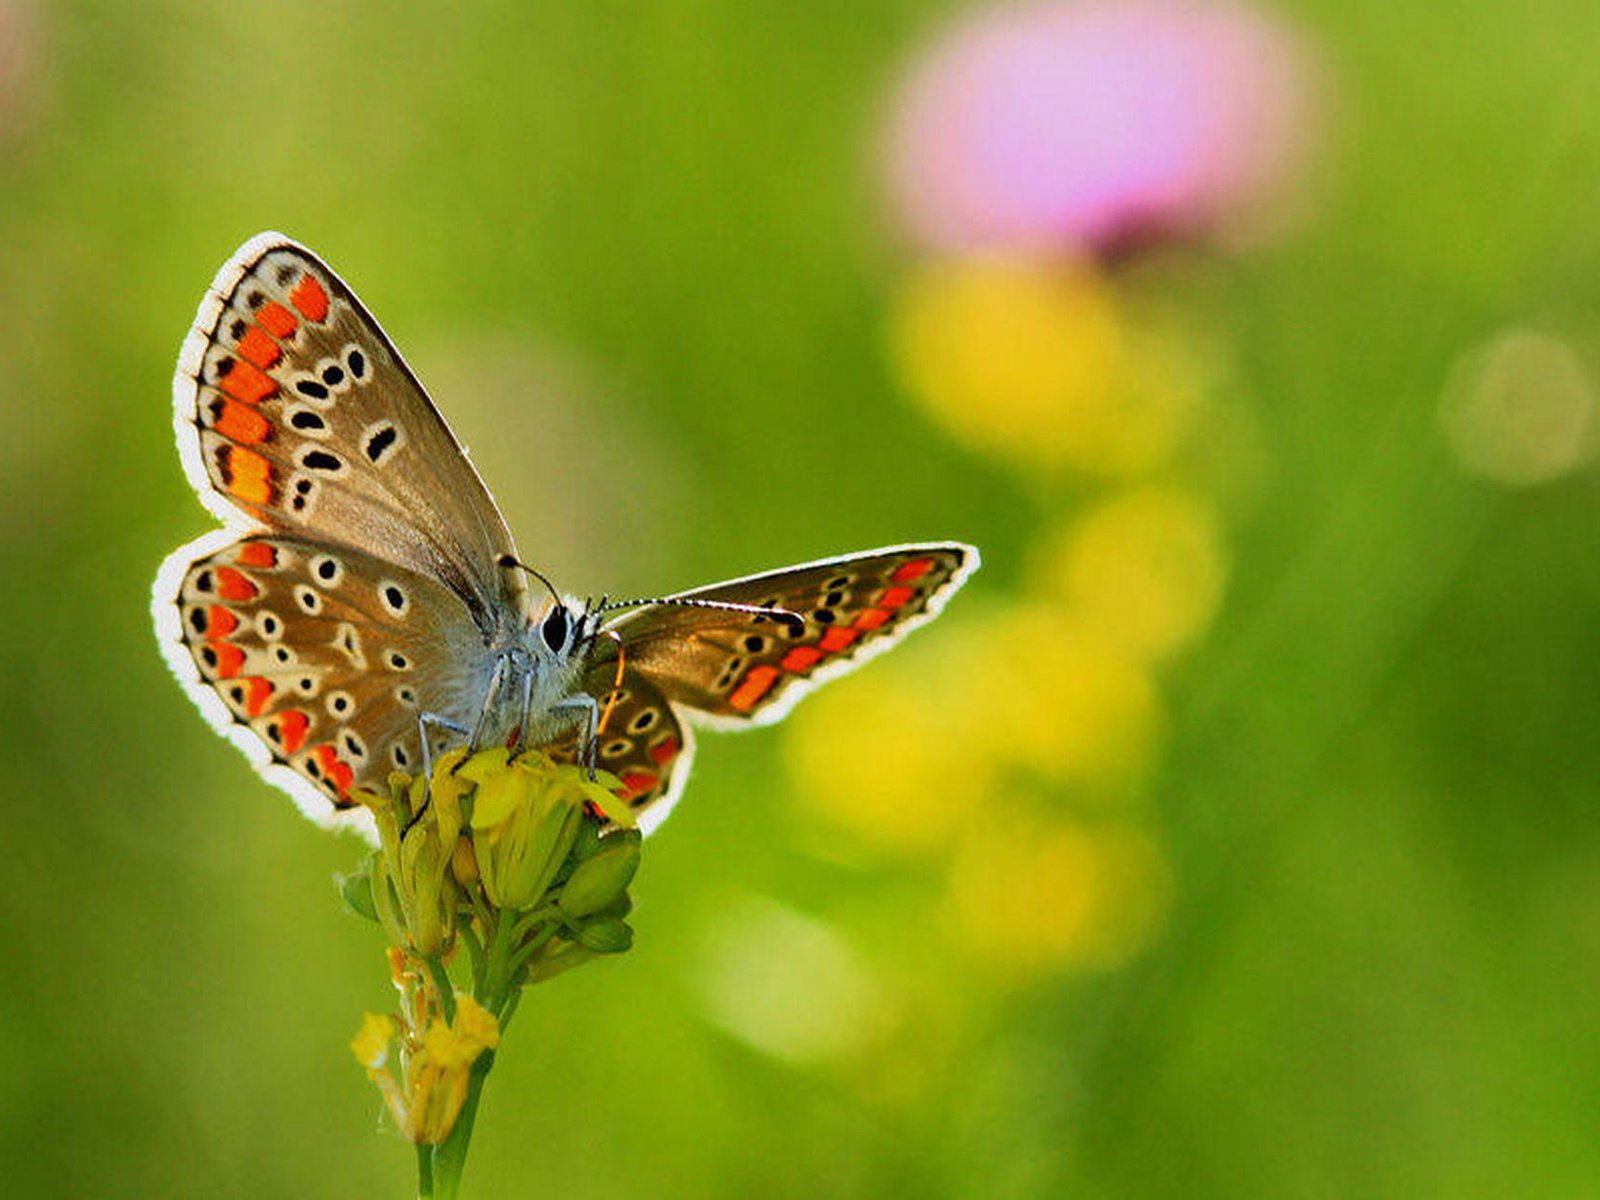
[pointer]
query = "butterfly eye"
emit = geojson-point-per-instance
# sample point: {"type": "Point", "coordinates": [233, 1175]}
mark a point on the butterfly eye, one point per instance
{"type": "Point", "coordinates": [555, 628]}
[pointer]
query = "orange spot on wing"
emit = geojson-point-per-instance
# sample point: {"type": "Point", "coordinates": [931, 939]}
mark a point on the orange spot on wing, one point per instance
{"type": "Point", "coordinates": [276, 319]}
{"type": "Point", "coordinates": [309, 298]}
{"type": "Point", "coordinates": [637, 783]}
{"type": "Point", "coordinates": [246, 382]}
{"type": "Point", "coordinates": [241, 423]}
{"type": "Point", "coordinates": [249, 475]}
{"type": "Point", "coordinates": [838, 638]}
{"type": "Point", "coordinates": [871, 618]}
{"type": "Point", "coordinates": [915, 569]}
{"type": "Point", "coordinates": [757, 682]}
{"type": "Point", "coordinates": [255, 696]}
{"type": "Point", "coordinates": [664, 751]}
{"type": "Point", "coordinates": [229, 659]}
{"type": "Point", "coordinates": [220, 622]}
{"type": "Point", "coordinates": [292, 726]}
{"type": "Point", "coordinates": [894, 597]}
{"type": "Point", "coordinates": [256, 347]}
{"type": "Point", "coordinates": [231, 585]}
{"type": "Point", "coordinates": [257, 554]}
{"type": "Point", "coordinates": [801, 658]}
{"type": "Point", "coordinates": [337, 773]}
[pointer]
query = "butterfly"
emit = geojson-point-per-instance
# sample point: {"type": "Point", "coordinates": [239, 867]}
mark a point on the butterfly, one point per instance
{"type": "Point", "coordinates": [364, 608]}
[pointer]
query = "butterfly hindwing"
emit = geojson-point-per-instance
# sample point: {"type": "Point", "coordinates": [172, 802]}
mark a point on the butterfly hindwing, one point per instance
{"type": "Point", "coordinates": [295, 412]}
{"type": "Point", "coordinates": [641, 741]}
{"type": "Point", "coordinates": [318, 659]}
{"type": "Point", "coordinates": [733, 670]}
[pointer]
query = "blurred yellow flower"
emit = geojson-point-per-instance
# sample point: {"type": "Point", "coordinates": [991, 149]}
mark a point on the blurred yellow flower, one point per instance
{"type": "Point", "coordinates": [1034, 362]}
{"type": "Point", "coordinates": [890, 759]}
{"type": "Point", "coordinates": [1144, 570]}
{"type": "Point", "coordinates": [1058, 896]}
{"type": "Point", "coordinates": [903, 756]}
{"type": "Point", "coordinates": [1057, 703]}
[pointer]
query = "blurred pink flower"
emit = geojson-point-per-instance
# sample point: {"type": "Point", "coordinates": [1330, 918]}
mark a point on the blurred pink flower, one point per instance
{"type": "Point", "coordinates": [1095, 125]}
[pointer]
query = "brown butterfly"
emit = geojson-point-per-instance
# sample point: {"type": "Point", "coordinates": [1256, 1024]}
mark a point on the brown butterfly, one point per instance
{"type": "Point", "coordinates": [365, 608]}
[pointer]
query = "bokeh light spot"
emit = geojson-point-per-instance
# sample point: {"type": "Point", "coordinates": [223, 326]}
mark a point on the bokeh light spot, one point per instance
{"type": "Point", "coordinates": [1520, 409]}
{"type": "Point", "coordinates": [789, 986]}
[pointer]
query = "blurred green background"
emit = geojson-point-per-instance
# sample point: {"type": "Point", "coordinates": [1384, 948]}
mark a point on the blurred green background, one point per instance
{"type": "Point", "coordinates": [641, 256]}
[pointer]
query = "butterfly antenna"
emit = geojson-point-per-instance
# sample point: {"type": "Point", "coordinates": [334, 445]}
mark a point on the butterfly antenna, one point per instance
{"type": "Point", "coordinates": [785, 615]}
{"type": "Point", "coordinates": [507, 560]}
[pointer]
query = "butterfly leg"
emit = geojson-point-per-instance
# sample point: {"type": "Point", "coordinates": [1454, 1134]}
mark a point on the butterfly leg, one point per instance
{"type": "Point", "coordinates": [489, 699]}
{"type": "Point", "coordinates": [588, 709]}
{"type": "Point", "coordinates": [424, 721]}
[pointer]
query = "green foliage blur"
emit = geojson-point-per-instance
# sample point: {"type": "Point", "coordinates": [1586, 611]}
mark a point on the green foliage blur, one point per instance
{"type": "Point", "coordinates": [639, 254]}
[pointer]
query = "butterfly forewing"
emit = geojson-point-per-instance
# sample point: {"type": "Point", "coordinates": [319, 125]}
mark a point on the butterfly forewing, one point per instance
{"type": "Point", "coordinates": [363, 597]}
{"type": "Point", "coordinates": [295, 411]}
{"type": "Point", "coordinates": [326, 656]}
{"type": "Point", "coordinates": [737, 670]}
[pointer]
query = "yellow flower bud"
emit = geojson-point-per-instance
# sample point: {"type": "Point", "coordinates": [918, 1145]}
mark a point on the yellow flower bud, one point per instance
{"type": "Point", "coordinates": [464, 863]}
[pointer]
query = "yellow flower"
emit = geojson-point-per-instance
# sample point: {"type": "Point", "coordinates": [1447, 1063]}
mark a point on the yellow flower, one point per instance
{"type": "Point", "coordinates": [450, 1047]}
{"type": "Point", "coordinates": [1144, 570]}
{"type": "Point", "coordinates": [437, 1076]}
{"type": "Point", "coordinates": [525, 815]}
{"type": "Point", "coordinates": [1037, 364]}
{"type": "Point", "coordinates": [435, 1071]}
{"type": "Point", "coordinates": [371, 1043]}
{"type": "Point", "coordinates": [475, 1025]}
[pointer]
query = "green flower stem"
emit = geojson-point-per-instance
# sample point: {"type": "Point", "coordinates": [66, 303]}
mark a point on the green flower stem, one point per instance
{"type": "Point", "coordinates": [532, 946]}
{"type": "Point", "coordinates": [495, 966]}
{"type": "Point", "coordinates": [424, 1171]}
{"type": "Point", "coordinates": [441, 982]}
{"type": "Point", "coordinates": [474, 950]}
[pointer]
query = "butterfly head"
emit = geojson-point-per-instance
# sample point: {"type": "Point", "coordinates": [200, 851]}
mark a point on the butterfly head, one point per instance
{"type": "Point", "coordinates": [560, 628]}
{"type": "Point", "coordinates": [565, 627]}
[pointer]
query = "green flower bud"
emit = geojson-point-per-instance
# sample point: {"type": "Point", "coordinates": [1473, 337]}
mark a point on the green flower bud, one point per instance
{"type": "Point", "coordinates": [600, 879]}
{"type": "Point", "coordinates": [588, 840]}
{"type": "Point", "coordinates": [604, 935]}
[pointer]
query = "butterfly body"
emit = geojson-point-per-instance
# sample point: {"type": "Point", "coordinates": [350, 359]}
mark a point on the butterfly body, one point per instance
{"type": "Point", "coordinates": [365, 608]}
